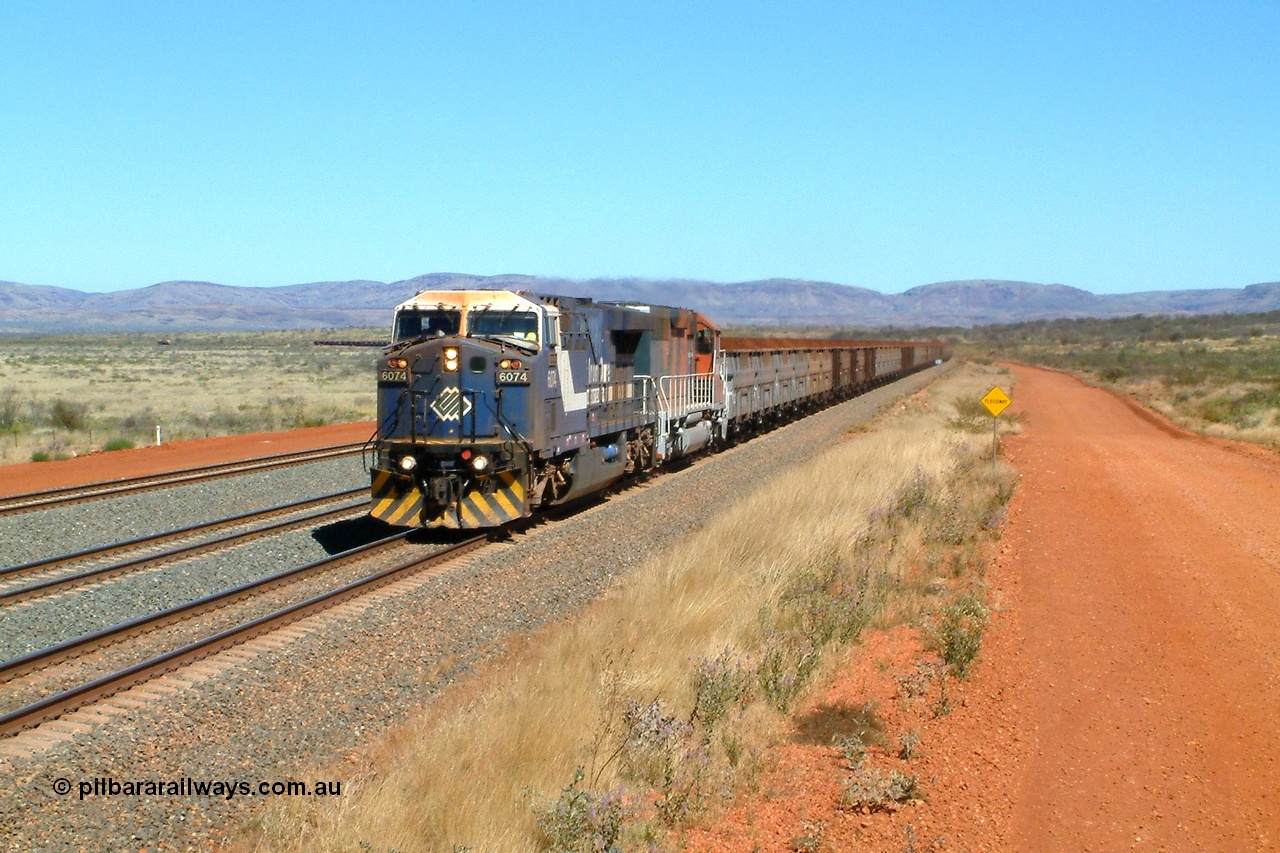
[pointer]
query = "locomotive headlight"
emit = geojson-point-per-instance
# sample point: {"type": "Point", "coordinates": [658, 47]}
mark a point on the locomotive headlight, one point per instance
{"type": "Point", "coordinates": [451, 359]}
{"type": "Point", "coordinates": [408, 463]}
{"type": "Point", "coordinates": [480, 462]}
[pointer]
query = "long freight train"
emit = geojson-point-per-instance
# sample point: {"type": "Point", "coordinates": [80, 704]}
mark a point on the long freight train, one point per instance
{"type": "Point", "coordinates": [492, 403]}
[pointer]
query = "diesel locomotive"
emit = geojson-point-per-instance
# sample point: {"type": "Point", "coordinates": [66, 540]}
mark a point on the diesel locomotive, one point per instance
{"type": "Point", "coordinates": [492, 404]}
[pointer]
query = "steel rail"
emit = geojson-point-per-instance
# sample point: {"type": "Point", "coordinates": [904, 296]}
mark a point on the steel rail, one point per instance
{"type": "Point", "coordinates": [68, 700]}
{"type": "Point", "coordinates": [16, 594]}
{"type": "Point", "coordinates": [170, 535]}
{"type": "Point", "coordinates": [66, 495]}
{"type": "Point", "coordinates": [42, 658]}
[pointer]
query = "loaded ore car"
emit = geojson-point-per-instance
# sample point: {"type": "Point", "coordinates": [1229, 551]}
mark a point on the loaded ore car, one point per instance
{"type": "Point", "coordinates": [492, 404]}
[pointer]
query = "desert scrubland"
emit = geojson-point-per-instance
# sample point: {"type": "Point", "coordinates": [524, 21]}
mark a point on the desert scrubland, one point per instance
{"type": "Point", "coordinates": [75, 394]}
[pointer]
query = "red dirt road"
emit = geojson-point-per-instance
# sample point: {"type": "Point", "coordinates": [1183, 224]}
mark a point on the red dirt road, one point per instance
{"type": "Point", "coordinates": [1149, 569]}
{"type": "Point", "coordinates": [1128, 692]}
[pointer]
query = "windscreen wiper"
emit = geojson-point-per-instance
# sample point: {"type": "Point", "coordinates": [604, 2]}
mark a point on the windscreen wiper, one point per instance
{"type": "Point", "coordinates": [521, 344]}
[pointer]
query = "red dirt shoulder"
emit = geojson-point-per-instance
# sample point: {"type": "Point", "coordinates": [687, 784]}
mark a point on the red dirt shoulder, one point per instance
{"type": "Point", "coordinates": [143, 461]}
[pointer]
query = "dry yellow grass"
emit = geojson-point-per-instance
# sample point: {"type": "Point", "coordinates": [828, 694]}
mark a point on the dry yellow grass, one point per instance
{"type": "Point", "coordinates": [472, 773]}
{"type": "Point", "coordinates": [122, 386]}
{"type": "Point", "coordinates": [1186, 407]}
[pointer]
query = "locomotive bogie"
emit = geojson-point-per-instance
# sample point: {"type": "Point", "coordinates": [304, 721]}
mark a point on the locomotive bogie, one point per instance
{"type": "Point", "coordinates": [592, 469]}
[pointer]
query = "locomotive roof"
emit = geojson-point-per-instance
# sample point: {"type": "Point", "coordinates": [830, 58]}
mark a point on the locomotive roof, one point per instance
{"type": "Point", "coordinates": [505, 300]}
{"type": "Point", "coordinates": [465, 299]}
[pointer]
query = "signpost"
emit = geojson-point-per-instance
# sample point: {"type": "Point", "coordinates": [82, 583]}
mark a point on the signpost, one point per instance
{"type": "Point", "coordinates": [996, 402]}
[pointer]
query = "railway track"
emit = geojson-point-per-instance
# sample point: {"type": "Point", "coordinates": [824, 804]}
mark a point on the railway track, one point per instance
{"type": "Point", "coordinates": [68, 495]}
{"type": "Point", "coordinates": [40, 575]}
{"type": "Point", "coordinates": [68, 699]}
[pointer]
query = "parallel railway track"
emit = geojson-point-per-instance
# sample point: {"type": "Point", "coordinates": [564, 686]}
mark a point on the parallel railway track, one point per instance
{"type": "Point", "coordinates": [69, 495]}
{"type": "Point", "coordinates": [74, 697]}
{"type": "Point", "coordinates": [67, 699]}
{"type": "Point", "coordinates": [46, 581]}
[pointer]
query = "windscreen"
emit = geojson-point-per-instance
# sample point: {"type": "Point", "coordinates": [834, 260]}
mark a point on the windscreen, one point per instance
{"type": "Point", "coordinates": [434, 323]}
{"type": "Point", "coordinates": [521, 325]}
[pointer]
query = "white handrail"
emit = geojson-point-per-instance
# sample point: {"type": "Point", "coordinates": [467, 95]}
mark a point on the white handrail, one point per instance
{"type": "Point", "coordinates": [680, 395]}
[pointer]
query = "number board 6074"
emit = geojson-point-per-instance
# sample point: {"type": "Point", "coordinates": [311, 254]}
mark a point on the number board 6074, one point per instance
{"type": "Point", "coordinates": [513, 377]}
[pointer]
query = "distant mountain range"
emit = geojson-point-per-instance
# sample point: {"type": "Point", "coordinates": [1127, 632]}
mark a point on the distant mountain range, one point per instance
{"type": "Point", "coordinates": [199, 305]}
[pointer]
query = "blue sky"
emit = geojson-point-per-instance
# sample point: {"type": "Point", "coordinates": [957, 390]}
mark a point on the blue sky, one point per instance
{"type": "Point", "coordinates": [1114, 146]}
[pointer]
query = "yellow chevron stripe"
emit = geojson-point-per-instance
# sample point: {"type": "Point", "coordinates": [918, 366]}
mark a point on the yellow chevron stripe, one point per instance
{"type": "Point", "coordinates": [514, 486]}
{"type": "Point", "coordinates": [409, 510]}
{"type": "Point", "coordinates": [382, 484]}
{"type": "Point", "coordinates": [396, 500]}
{"type": "Point", "coordinates": [402, 510]}
{"type": "Point", "coordinates": [488, 511]}
{"type": "Point", "coordinates": [467, 517]}
{"type": "Point", "coordinates": [503, 498]}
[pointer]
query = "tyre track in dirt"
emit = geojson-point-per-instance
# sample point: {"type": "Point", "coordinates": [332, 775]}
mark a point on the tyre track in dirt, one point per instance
{"type": "Point", "coordinates": [1148, 566]}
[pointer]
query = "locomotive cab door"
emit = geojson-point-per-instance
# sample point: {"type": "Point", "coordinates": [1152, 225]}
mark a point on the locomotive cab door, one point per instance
{"type": "Point", "coordinates": [706, 341]}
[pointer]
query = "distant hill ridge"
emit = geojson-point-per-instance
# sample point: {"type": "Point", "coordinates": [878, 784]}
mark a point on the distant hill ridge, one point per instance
{"type": "Point", "coordinates": [203, 305]}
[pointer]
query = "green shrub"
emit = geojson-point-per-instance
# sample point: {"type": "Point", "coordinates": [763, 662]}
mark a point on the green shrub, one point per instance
{"type": "Point", "coordinates": [119, 444]}
{"type": "Point", "coordinates": [718, 685]}
{"type": "Point", "coordinates": [957, 634]}
{"type": "Point", "coordinates": [872, 790]}
{"type": "Point", "coordinates": [41, 456]}
{"type": "Point", "coordinates": [660, 752]}
{"type": "Point", "coordinates": [10, 410]}
{"type": "Point", "coordinates": [580, 821]}
{"type": "Point", "coordinates": [1244, 410]}
{"type": "Point", "coordinates": [828, 601]}
{"type": "Point", "coordinates": [913, 498]}
{"type": "Point", "coordinates": [68, 415]}
{"type": "Point", "coordinates": [785, 668]}
{"type": "Point", "coordinates": [811, 837]}
{"type": "Point", "coordinates": [853, 749]}
{"type": "Point", "coordinates": [908, 745]}
{"type": "Point", "coordinates": [971, 415]}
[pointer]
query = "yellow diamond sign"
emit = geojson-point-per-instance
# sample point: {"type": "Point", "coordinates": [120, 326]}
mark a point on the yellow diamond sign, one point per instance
{"type": "Point", "coordinates": [996, 401]}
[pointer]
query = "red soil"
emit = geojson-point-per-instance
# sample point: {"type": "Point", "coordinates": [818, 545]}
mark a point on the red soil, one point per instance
{"type": "Point", "coordinates": [1127, 690]}
{"type": "Point", "coordinates": [100, 467]}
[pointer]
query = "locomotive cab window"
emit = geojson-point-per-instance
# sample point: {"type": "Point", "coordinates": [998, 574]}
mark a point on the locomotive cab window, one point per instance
{"type": "Point", "coordinates": [520, 325]}
{"type": "Point", "coordinates": [419, 324]}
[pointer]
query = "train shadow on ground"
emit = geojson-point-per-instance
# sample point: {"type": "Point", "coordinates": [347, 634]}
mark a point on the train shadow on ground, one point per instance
{"type": "Point", "coordinates": [351, 533]}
